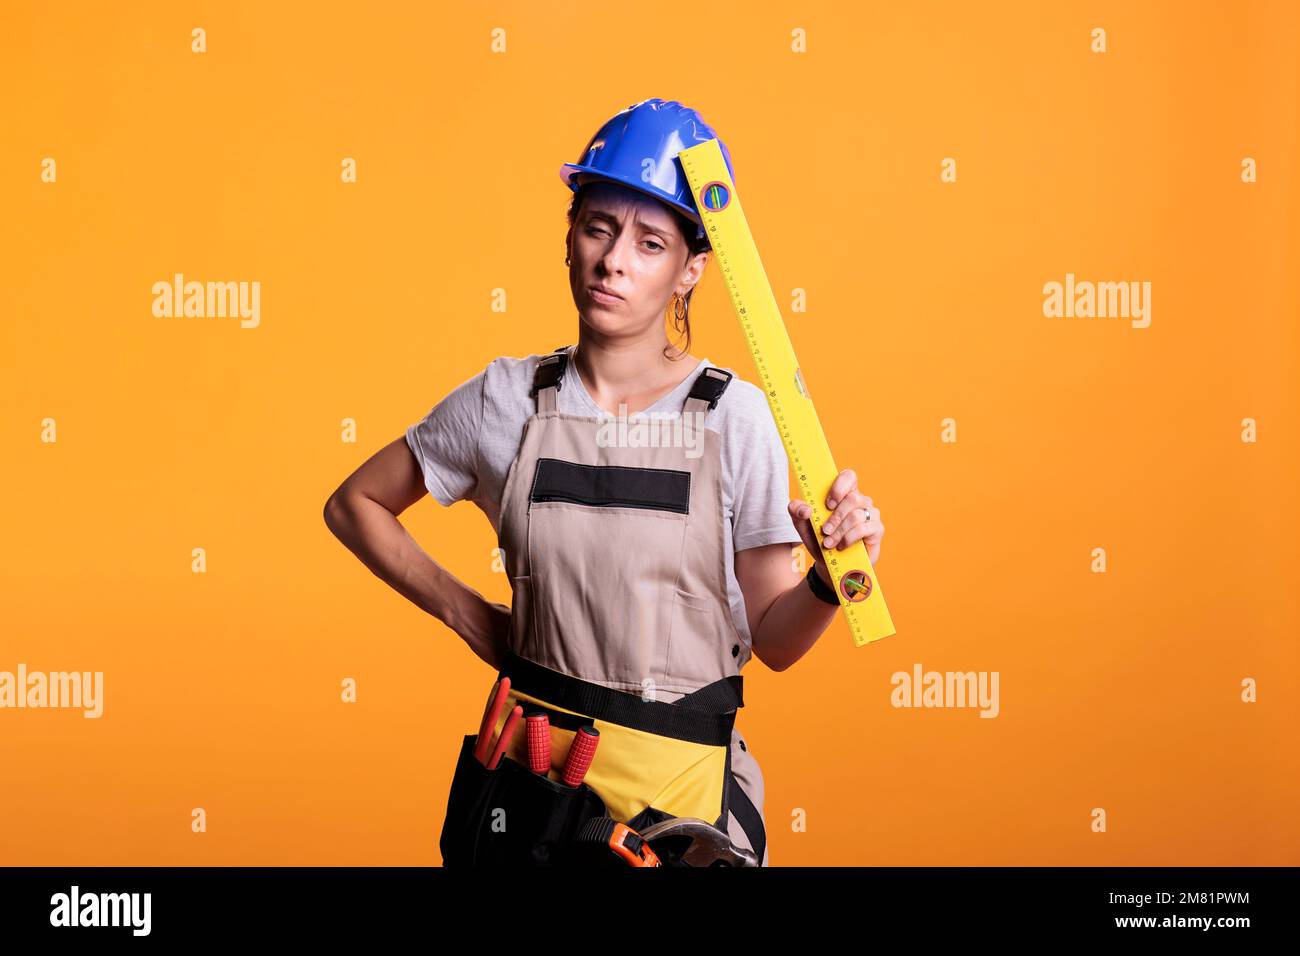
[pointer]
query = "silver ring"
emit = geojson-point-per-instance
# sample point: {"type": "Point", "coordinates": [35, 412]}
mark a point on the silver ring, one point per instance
{"type": "Point", "coordinates": [866, 514]}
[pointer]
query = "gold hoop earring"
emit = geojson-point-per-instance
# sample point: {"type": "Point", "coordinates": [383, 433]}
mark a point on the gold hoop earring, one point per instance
{"type": "Point", "coordinates": [677, 299]}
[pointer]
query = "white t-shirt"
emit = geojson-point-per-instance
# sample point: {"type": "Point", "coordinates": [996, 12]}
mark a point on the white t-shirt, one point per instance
{"type": "Point", "coordinates": [467, 442]}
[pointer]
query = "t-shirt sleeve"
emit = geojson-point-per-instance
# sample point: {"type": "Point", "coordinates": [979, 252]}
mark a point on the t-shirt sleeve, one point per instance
{"type": "Point", "coordinates": [761, 501]}
{"type": "Point", "coordinates": [446, 442]}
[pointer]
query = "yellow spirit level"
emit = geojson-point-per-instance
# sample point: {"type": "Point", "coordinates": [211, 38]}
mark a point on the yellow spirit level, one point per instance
{"type": "Point", "coordinates": [778, 370]}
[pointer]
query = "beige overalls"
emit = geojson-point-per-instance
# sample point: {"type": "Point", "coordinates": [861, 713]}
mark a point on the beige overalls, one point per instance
{"type": "Point", "coordinates": [620, 614]}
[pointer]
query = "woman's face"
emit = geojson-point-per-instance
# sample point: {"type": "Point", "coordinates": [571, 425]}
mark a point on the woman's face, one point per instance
{"type": "Point", "coordinates": [628, 243]}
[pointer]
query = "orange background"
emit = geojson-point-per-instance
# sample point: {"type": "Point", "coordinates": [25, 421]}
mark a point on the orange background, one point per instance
{"type": "Point", "coordinates": [1118, 690]}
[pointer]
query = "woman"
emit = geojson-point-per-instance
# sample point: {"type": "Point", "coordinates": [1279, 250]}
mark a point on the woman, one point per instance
{"type": "Point", "coordinates": [646, 565]}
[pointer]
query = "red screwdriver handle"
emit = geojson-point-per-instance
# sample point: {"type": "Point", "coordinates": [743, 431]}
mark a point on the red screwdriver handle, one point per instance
{"type": "Point", "coordinates": [581, 753]}
{"type": "Point", "coordinates": [539, 742]}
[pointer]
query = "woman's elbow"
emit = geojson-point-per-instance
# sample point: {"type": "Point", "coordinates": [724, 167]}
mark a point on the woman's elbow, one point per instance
{"type": "Point", "coordinates": [771, 663]}
{"type": "Point", "coordinates": [335, 513]}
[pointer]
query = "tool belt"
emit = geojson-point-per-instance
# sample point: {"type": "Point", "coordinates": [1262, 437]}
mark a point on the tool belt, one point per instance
{"type": "Point", "coordinates": [676, 754]}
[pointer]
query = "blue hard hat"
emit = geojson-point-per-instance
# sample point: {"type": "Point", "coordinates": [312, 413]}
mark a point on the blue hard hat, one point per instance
{"type": "Point", "coordinates": [638, 148]}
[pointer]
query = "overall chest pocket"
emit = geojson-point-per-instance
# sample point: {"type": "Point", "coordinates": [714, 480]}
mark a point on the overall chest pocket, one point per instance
{"type": "Point", "coordinates": [605, 550]}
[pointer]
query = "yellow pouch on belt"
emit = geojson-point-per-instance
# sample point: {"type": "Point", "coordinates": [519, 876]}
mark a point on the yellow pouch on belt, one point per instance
{"type": "Point", "coordinates": [632, 768]}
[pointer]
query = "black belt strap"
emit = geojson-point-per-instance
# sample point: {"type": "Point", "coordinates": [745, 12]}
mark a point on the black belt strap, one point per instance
{"type": "Point", "coordinates": [705, 716]}
{"type": "Point", "coordinates": [718, 697]}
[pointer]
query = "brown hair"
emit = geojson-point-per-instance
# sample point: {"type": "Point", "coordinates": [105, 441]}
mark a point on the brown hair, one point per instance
{"type": "Point", "coordinates": [694, 247]}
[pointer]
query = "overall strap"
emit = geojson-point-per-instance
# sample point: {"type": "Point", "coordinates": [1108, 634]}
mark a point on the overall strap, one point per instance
{"type": "Point", "coordinates": [706, 390]}
{"type": "Point", "coordinates": [548, 378]}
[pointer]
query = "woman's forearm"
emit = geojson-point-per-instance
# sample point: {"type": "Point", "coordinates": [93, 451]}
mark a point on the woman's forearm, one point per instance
{"type": "Point", "coordinates": [382, 543]}
{"type": "Point", "coordinates": [792, 625]}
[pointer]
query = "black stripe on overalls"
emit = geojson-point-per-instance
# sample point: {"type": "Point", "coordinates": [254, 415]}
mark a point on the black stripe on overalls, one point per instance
{"type": "Point", "coordinates": [612, 486]}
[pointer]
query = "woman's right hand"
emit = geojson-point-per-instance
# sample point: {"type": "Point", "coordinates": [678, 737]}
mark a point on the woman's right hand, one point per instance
{"type": "Point", "coordinates": [485, 627]}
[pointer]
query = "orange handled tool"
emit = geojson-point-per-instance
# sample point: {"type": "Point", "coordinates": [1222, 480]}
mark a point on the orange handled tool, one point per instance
{"type": "Point", "coordinates": [497, 699]}
{"type": "Point", "coordinates": [507, 732]}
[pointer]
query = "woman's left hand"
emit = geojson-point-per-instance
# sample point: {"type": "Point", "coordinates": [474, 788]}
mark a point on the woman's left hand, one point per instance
{"type": "Point", "coordinates": [853, 518]}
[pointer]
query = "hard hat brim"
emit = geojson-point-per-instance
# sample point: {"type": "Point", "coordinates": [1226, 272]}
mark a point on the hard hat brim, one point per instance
{"type": "Point", "coordinates": [574, 175]}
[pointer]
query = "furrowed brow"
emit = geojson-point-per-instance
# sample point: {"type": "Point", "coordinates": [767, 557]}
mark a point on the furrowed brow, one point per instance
{"type": "Point", "coordinates": [610, 218]}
